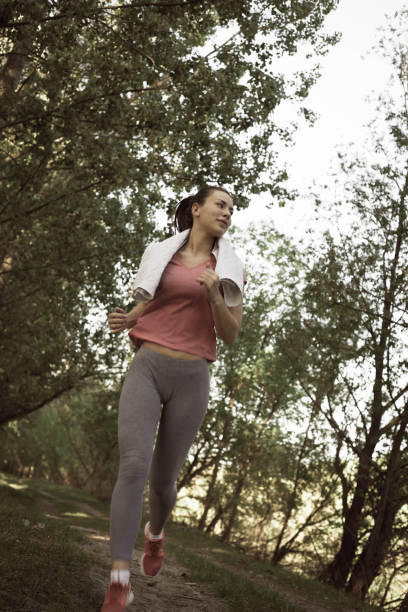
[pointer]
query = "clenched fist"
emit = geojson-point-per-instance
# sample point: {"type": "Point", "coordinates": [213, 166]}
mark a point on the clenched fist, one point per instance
{"type": "Point", "coordinates": [118, 321]}
{"type": "Point", "coordinates": [211, 281]}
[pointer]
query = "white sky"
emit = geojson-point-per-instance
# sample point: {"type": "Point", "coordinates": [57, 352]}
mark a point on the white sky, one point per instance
{"type": "Point", "coordinates": [350, 73]}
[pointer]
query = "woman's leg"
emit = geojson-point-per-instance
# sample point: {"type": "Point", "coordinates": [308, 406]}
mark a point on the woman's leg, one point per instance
{"type": "Point", "coordinates": [181, 418]}
{"type": "Point", "coordinates": [139, 413]}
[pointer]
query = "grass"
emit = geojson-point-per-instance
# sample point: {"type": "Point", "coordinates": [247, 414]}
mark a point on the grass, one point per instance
{"type": "Point", "coordinates": [226, 556]}
{"type": "Point", "coordinates": [44, 568]}
{"type": "Point", "coordinates": [44, 552]}
{"type": "Point", "coordinates": [241, 593]}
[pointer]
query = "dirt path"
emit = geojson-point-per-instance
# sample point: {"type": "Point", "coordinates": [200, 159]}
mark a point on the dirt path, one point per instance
{"type": "Point", "coordinates": [171, 591]}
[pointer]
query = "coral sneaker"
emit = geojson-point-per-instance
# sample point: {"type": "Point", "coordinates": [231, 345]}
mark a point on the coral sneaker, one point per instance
{"type": "Point", "coordinates": [153, 556]}
{"type": "Point", "coordinates": [117, 597]}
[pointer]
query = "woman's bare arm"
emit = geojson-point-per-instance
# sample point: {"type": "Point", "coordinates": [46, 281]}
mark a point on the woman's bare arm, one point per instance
{"type": "Point", "coordinates": [227, 320]}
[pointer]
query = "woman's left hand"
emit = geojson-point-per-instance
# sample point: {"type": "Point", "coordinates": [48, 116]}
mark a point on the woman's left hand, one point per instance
{"type": "Point", "coordinates": [211, 282]}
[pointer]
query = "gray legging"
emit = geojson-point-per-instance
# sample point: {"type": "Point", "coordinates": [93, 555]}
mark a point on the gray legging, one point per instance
{"type": "Point", "coordinates": [182, 387]}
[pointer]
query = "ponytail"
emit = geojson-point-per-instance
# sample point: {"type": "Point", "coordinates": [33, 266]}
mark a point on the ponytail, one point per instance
{"type": "Point", "coordinates": [183, 217]}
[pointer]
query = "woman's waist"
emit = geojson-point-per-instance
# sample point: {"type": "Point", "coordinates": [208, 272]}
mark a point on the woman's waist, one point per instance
{"type": "Point", "coordinates": [165, 350]}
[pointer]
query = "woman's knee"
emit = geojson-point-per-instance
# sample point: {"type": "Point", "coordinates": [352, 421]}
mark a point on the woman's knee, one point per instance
{"type": "Point", "coordinates": [133, 467]}
{"type": "Point", "coordinates": [163, 488]}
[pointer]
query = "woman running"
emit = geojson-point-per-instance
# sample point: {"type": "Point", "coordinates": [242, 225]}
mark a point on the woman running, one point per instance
{"type": "Point", "coordinates": [192, 286]}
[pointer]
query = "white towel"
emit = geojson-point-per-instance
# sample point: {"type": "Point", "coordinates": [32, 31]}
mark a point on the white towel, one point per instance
{"type": "Point", "coordinates": [158, 254]}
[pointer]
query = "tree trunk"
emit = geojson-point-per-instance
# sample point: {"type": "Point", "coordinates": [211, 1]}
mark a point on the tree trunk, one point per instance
{"type": "Point", "coordinates": [391, 500]}
{"type": "Point", "coordinates": [10, 76]}
{"type": "Point", "coordinates": [209, 498]}
{"type": "Point", "coordinates": [220, 511]}
{"type": "Point", "coordinates": [372, 556]}
{"type": "Point", "coordinates": [339, 569]}
{"type": "Point", "coordinates": [279, 553]}
{"type": "Point", "coordinates": [234, 503]}
{"type": "Point", "coordinates": [404, 605]}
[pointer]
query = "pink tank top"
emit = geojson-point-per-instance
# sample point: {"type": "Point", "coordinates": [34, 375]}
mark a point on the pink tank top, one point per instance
{"type": "Point", "coordinates": [179, 316]}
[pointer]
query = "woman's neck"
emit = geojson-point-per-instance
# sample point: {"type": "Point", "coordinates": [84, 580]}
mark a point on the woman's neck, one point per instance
{"type": "Point", "coordinates": [199, 243]}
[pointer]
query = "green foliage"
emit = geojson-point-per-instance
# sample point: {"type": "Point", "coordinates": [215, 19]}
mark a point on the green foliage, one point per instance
{"type": "Point", "coordinates": [103, 108]}
{"type": "Point", "coordinates": [73, 441]}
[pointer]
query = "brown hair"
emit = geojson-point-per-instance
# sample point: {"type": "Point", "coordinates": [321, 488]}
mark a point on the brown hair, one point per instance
{"type": "Point", "coordinates": [183, 218]}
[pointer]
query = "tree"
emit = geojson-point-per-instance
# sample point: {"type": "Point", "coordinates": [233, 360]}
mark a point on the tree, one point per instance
{"type": "Point", "coordinates": [103, 107]}
{"type": "Point", "coordinates": [72, 441]}
{"type": "Point", "coordinates": [371, 281]}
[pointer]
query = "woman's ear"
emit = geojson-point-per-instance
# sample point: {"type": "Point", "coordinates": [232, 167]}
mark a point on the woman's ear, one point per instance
{"type": "Point", "coordinates": [195, 210]}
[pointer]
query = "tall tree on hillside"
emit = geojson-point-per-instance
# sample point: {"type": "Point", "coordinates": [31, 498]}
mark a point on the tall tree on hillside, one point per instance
{"type": "Point", "coordinates": [365, 272]}
{"type": "Point", "coordinates": [102, 107]}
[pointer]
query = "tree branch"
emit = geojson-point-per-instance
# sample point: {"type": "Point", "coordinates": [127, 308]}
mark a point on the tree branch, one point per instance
{"type": "Point", "coordinates": [162, 84]}
{"type": "Point", "coordinates": [48, 400]}
{"type": "Point", "coordinates": [60, 197]}
{"type": "Point", "coordinates": [69, 14]}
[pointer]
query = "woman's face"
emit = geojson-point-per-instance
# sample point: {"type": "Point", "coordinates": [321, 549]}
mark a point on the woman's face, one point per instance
{"type": "Point", "coordinates": [215, 213]}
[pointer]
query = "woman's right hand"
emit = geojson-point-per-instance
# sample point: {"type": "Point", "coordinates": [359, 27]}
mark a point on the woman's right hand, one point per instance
{"type": "Point", "coordinates": [118, 321]}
